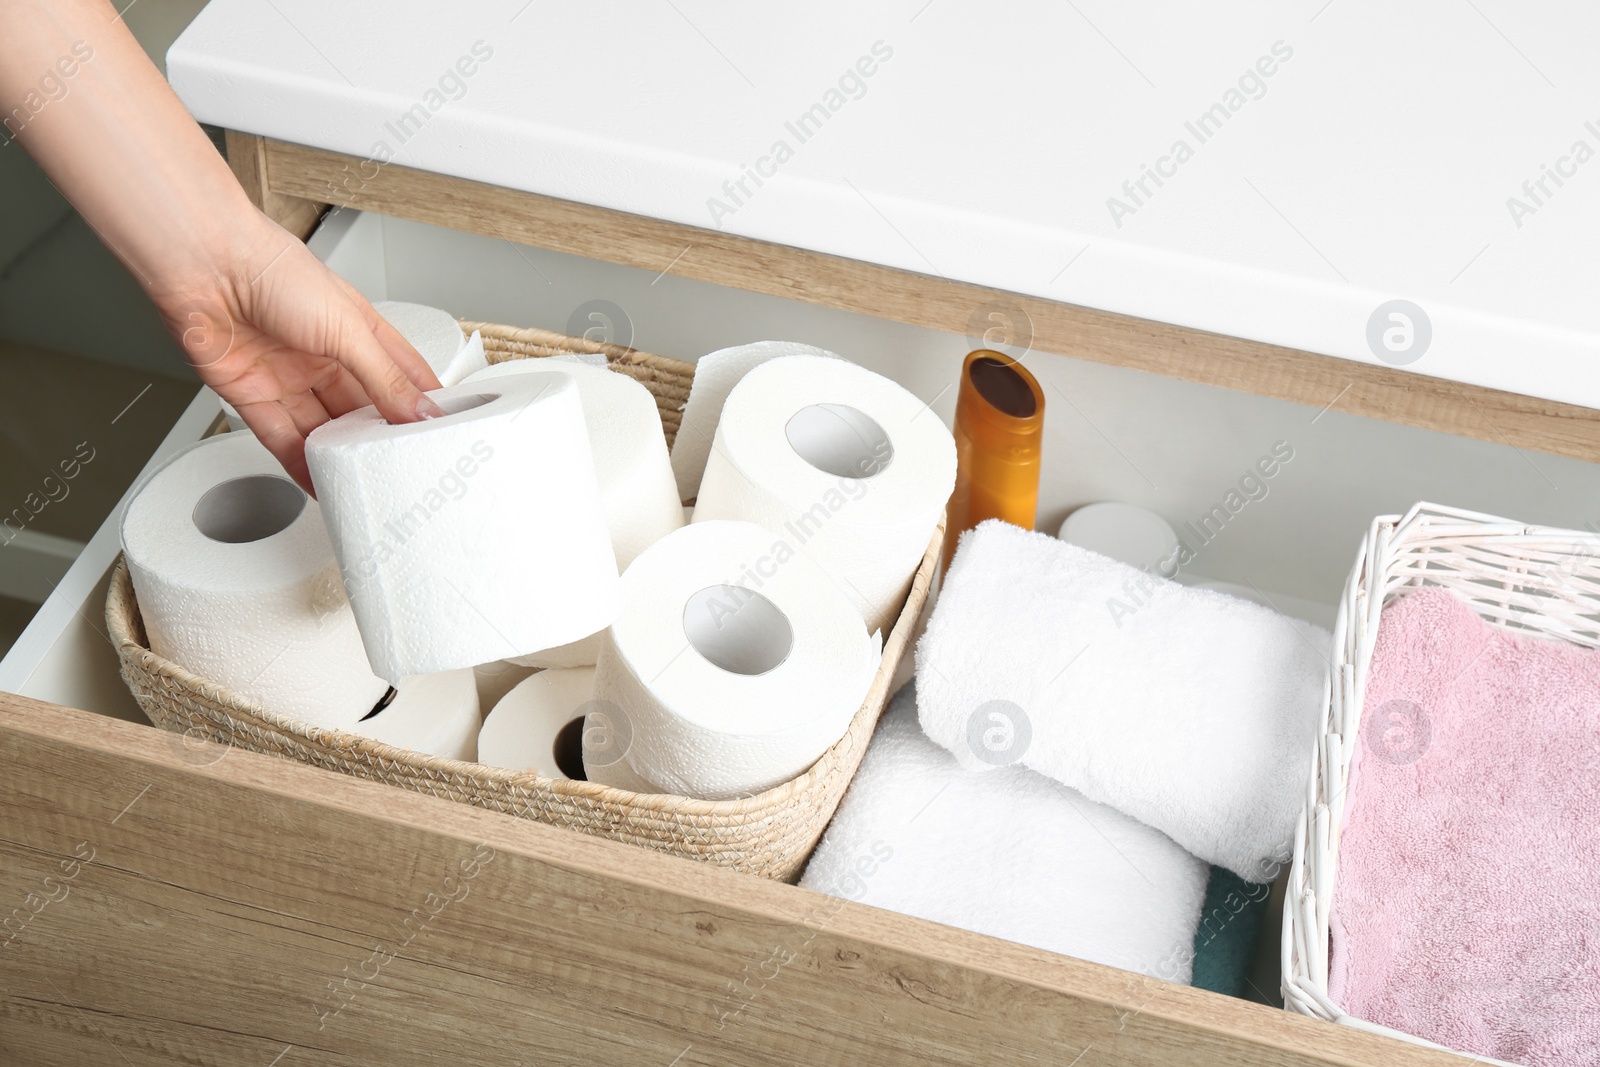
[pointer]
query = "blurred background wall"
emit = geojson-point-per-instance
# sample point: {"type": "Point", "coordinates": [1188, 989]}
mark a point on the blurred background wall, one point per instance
{"type": "Point", "coordinates": [80, 346]}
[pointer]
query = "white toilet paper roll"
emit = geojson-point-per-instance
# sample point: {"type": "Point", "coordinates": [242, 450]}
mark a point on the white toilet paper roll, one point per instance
{"type": "Point", "coordinates": [841, 463]}
{"type": "Point", "coordinates": [607, 736]}
{"type": "Point", "coordinates": [715, 375]}
{"type": "Point", "coordinates": [438, 338]}
{"type": "Point", "coordinates": [538, 725]}
{"type": "Point", "coordinates": [630, 454]}
{"type": "Point", "coordinates": [587, 359]}
{"type": "Point", "coordinates": [496, 679]}
{"type": "Point", "coordinates": [617, 773]}
{"type": "Point", "coordinates": [237, 583]}
{"type": "Point", "coordinates": [469, 361]}
{"type": "Point", "coordinates": [472, 537]}
{"type": "Point", "coordinates": [630, 458]}
{"type": "Point", "coordinates": [432, 713]}
{"type": "Point", "coordinates": [734, 664]}
{"type": "Point", "coordinates": [584, 652]}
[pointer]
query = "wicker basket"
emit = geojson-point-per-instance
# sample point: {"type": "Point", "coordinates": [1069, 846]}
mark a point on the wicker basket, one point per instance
{"type": "Point", "coordinates": [1531, 579]}
{"type": "Point", "coordinates": [770, 834]}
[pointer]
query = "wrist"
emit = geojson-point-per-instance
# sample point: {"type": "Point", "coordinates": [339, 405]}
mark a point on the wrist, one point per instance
{"type": "Point", "coordinates": [215, 252]}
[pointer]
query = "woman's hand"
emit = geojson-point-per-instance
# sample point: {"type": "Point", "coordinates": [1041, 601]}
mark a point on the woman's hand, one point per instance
{"type": "Point", "coordinates": [277, 334]}
{"type": "Point", "coordinates": [290, 344]}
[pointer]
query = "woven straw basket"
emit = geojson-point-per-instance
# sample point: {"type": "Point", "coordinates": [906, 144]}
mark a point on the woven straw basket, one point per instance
{"type": "Point", "coordinates": [770, 834]}
{"type": "Point", "coordinates": [1531, 579]}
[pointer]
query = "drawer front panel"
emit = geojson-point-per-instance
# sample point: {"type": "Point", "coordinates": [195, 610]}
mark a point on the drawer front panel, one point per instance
{"type": "Point", "coordinates": [171, 901]}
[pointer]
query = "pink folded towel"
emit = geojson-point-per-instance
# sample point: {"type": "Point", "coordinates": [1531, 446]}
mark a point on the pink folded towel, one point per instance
{"type": "Point", "coordinates": [1467, 907]}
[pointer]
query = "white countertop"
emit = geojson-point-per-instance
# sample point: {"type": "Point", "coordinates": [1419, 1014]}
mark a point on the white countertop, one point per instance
{"type": "Point", "coordinates": [1376, 162]}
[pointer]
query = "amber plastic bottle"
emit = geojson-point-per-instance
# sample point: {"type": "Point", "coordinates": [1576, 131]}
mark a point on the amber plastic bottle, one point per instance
{"type": "Point", "coordinates": [999, 433]}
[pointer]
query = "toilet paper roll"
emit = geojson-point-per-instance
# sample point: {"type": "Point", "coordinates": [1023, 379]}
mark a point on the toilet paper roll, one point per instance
{"type": "Point", "coordinates": [236, 582]}
{"type": "Point", "coordinates": [630, 455]}
{"type": "Point", "coordinates": [524, 732]}
{"type": "Point", "coordinates": [588, 359]}
{"type": "Point", "coordinates": [841, 463]}
{"type": "Point", "coordinates": [472, 537]}
{"type": "Point", "coordinates": [496, 679]}
{"type": "Point", "coordinates": [432, 713]}
{"type": "Point", "coordinates": [734, 664]}
{"type": "Point", "coordinates": [603, 770]}
{"type": "Point", "coordinates": [607, 736]}
{"type": "Point", "coordinates": [584, 652]}
{"type": "Point", "coordinates": [715, 375]}
{"type": "Point", "coordinates": [438, 338]}
{"type": "Point", "coordinates": [1124, 532]}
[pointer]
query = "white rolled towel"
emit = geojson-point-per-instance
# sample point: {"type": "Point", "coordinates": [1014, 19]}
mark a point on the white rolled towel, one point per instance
{"type": "Point", "coordinates": [1010, 854]}
{"type": "Point", "coordinates": [1190, 710]}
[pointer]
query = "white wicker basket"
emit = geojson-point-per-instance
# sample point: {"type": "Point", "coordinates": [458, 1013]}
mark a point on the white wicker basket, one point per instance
{"type": "Point", "coordinates": [1532, 579]}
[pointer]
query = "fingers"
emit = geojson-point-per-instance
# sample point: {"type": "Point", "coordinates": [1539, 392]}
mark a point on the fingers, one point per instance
{"type": "Point", "coordinates": [407, 358]}
{"type": "Point", "coordinates": [305, 411]}
{"type": "Point", "coordinates": [396, 395]}
{"type": "Point", "coordinates": [341, 393]}
{"type": "Point", "coordinates": [276, 429]}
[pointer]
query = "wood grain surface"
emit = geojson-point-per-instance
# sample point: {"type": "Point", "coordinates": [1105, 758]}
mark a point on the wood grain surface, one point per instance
{"type": "Point", "coordinates": [247, 156]}
{"type": "Point", "coordinates": [307, 175]}
{"type": "Point", "coordinates": [172, 901]}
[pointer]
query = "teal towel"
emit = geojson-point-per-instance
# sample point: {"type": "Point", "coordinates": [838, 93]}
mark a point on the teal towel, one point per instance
{"type": "Point", "coordinates": [1230, 926]}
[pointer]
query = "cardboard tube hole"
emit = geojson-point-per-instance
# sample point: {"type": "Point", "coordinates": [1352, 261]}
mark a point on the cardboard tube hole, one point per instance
{"type": "Point", "coordinates": [242, 510]}
{"type": "Point", "coordinates": [737, 629]}
{"type": "Point", "coordinates": [839, 440]}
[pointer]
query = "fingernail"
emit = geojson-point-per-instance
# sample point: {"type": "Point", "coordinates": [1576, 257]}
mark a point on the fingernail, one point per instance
{"type": "Point", "coordinates": [427, 409]}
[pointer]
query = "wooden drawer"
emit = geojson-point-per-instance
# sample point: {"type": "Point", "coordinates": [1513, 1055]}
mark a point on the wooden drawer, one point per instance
{"type": "Point", "coordinates": [239, 909]}
{"type": "Point", "coordinates": [172, 901]}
